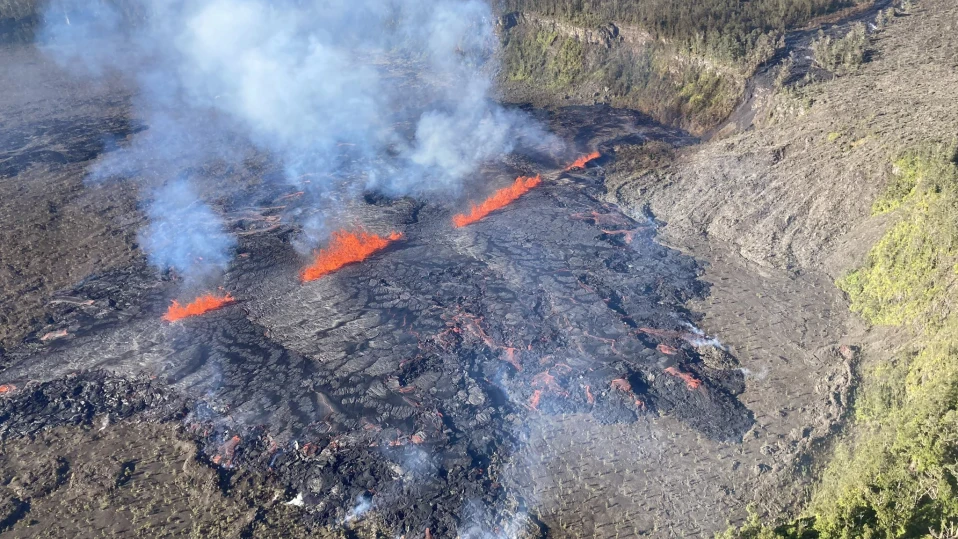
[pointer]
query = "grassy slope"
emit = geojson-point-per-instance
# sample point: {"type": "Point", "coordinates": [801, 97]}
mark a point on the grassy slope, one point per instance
{"type": "Point", "coordinates": [895, 471]}
{"type": "Point", "coordinates": [898, 476]}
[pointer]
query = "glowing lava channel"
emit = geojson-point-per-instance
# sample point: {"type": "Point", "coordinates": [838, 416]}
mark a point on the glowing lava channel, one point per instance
{"type": "Point", "coordinates": [346, 248]}
{"type": "Point", "coordinates": [501, 198]}
{"type": "Point", "coordinates": [581, 162]}
{"type": "Point", "coordinates": [202, 304]}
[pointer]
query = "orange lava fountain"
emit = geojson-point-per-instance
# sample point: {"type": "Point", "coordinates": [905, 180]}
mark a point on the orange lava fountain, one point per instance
{"type": "Point", "coordinates": [346, 248]}
{"type": "Point", "coordinates": [200, 305]}
{"type": "Point", "coordinates": [580, 162]}
{"type": "Point", "coordinates": [501, 198]}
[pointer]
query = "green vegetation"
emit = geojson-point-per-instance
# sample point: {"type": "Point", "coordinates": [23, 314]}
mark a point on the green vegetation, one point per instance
{"type": "Point", "coordinates": [784, 73]}
{"type": "Point", "coordinates": [899, 477]}
{"type": "Point", "coordinates": [842, 55]}
{"type": "Point", "coordinates": [896, 474]}
{"type": "Point", "coordinates": [754, 528]}
{"type": "Point", "coordinates": [567, 63]}
{"type": "Point", "coordinates": [671, 88]}
{"type": "Point", "coordinates": [528, 57]}
{"type": "Point", "coordinates": [693, 70]}
{"type": "Point", "coordinates": [908, 171]}
{"type": "Point", "coordinates": [729, 30]}
{"type": "Point", "coordinates": [913, 264]}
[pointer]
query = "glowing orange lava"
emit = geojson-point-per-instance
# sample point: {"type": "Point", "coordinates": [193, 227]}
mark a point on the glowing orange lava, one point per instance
{"type": "Point", "coordinates": [534, 399]}
{"type": "Point", "coordinates": [666, 349]}
{"type": "Point", "coordinates": [499, 199]}
{"type": "Point", "coordinates": [200, 305]}
{"type": "Point", "coordinates": [580, 162]}
{"type": "Point", "coordinates": [346, 248]}
{"type": "Point", "coordinates": [690, 381]}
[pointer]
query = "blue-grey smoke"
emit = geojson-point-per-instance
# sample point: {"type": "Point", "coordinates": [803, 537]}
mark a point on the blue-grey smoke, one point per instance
{"type": "Point", "coordinates": [387, 94]}
{"type": "Point", "coordinates": [183, 232]}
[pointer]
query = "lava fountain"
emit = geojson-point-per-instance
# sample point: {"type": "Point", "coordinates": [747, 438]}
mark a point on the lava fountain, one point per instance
{"type": "Point", "coordinates": [500, 199]}
{"type": "Point", "coordinates": [202, 304]}
{"type": "Point", "coordinates": [581, 162]}
{"type": "Point", "coordinates": [346, 248]}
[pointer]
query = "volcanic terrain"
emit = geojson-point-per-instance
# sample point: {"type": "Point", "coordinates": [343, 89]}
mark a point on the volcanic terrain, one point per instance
{"type": "Point", "coordinates": [402, 376]}
{"type": "Point", "coordinates": [526, 359]}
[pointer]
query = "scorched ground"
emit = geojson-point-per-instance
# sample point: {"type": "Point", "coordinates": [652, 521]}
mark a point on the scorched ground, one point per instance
{"type": "Point", "coordinates": [395, 388]}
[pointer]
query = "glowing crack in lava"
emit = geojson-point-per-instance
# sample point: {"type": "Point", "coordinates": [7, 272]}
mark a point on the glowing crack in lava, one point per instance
{"type": "Point", "coordinates": [346, 248]}
{"type": "Point", "coordinates": [580, 162]}
{"type": "Point", "coordinates": [690, 381]}
{"type": "Point", "coordinates": [500, 199]}
{"type": "Point", "coordinates": [200, 305]}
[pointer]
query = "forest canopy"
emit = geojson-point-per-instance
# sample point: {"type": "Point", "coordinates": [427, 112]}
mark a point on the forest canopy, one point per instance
{"type": "Point", "coordinates": [728, 29]}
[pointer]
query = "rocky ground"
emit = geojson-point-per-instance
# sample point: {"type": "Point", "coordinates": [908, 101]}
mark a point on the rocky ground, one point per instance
{"type": "Point", "coordinates": [416, 375]}
{"type": "Point", "coordinates": [783, 208]}
{"type": "Point", "coordinates": [57, 229]}
{"type": "Point", "coordinates": [527, 375]}
{"type": "Point", "coordinates": [836, 140]}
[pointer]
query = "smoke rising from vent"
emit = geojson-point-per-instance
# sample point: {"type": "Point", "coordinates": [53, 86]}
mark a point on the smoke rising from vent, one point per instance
{"type": "Point", "coordinates": [183, 231]}
{"type": "Point", "coordinates": [391, 95]}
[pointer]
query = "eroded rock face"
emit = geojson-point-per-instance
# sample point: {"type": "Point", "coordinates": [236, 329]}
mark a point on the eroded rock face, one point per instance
{"type": "Point", "coordinates": [606, 35]}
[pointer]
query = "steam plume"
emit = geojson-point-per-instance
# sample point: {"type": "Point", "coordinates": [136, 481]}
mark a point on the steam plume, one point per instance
{"type": "Point", "coordinates": [385, 94]}
{"type": "Point", "coordinates": [183, 232]}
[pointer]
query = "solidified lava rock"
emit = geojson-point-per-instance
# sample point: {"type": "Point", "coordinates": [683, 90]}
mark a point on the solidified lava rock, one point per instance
{"type": "Point", "coordinates": [78, 399]}
{"type": "Point", "coordinates": [399, 385]}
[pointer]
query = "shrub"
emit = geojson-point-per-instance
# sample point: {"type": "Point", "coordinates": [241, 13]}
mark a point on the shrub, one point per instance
{"type": "Point", "coordinates": [842, 55]}
{"type": "Point", "coordinates": [906, 174]}
{"type": "Point", "coordinates": [784, 73]}
{"type": "Point", "coordinates": [898, 477]}
{"type": "Point", "coordinates": [566, 65]}
{"type": "Point", "coordinates": [906, 271]}
{"type": "Point", "coordinates": [896, 474]}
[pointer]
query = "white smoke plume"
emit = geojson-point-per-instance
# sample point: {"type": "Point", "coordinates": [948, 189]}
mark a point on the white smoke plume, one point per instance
{"type": "Point", "coordinates": [357, 94]}
{"type": "Point", "coordinates": [181, 227]}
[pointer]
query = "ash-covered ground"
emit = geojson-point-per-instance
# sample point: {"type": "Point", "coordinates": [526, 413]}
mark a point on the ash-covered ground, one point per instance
{"type": "Point", "coordinates": [395, 391]}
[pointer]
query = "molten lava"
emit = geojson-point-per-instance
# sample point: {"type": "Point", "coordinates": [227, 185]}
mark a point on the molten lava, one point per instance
{"type": "Point", "coordinates": [227, 451]}
{"type": "Point", "coordinates": [690, 381]}
{"type": "Point", "coordinates": [580, 162]}
{"type": "Point", "coordinates": [666, 349]}
{"type": "Point", "coordinates": [200, 305]}
{"type": "Point", "coordinates": [346, 248]}
{"type": "Point", "coordinates": [534, 399]}
{"type": "Point", "coordinates": [499, 199]}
